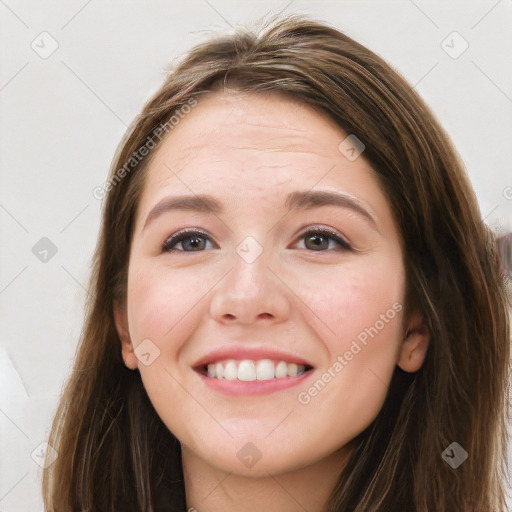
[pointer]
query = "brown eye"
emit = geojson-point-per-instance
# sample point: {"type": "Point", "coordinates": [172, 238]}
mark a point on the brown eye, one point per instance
{"type": "Point", "coordinates": [318, 240]}
{"type": "Point", "coordinates": [191, 241]}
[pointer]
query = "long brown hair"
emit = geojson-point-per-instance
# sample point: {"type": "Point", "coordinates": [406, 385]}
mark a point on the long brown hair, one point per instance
{"type": "Point", "coordinates": [114, 452]}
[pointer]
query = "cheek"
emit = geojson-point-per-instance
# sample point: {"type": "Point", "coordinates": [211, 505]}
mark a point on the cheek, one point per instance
{"type": "Point", "coordinates": [352, 298]}
{"type": "Point", "coordinates": [158, 300]}
{"type": "Point", "coordinates": [361, 306]}
{"type": "Point", "coordinates": [162, 307]}
{"type": "Point", "coordinates": [364, 310]}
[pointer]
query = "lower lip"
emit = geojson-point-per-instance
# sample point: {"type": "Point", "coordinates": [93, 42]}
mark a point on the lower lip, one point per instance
{"type": "Point", "coordinates": [256, 387]}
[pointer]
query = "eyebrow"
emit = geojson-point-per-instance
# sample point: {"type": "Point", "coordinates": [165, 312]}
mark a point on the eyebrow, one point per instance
{"type": "Point", "coordinates": [298, 200]}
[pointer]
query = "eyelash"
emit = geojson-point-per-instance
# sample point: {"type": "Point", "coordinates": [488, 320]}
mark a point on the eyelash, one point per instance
{"type": "Point", "coordinates": [184, 235]}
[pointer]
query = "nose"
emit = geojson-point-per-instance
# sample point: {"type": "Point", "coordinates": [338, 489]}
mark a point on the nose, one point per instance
{"type": "Point", "coordinates": [250, 292]}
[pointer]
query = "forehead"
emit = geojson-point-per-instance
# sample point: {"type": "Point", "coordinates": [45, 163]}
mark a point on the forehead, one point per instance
{"type": "Point", "coordinates": [234, 125]}
{"type": "Point", "coordinates": [253, 149]}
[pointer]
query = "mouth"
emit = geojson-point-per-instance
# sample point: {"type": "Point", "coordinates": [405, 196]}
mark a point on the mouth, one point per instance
{"type": "Point", "coordinates": [250, 370]}
{"type": "Point", "coordinates": [250, 378]}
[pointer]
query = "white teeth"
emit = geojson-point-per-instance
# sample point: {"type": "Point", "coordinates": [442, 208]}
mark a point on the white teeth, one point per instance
{"type": "Point", "coordinates": [231, 371]}
{"type": "Point", "coordinates": [265, 369]}
{"type": "Point", "coordinates": [281, 370]}
{"type": "Point", "coordinates": [246, 371]}
{"type": "Point", "coordinates": [249, 371]}
{"type": "Point", "coordinates": [292, 369]}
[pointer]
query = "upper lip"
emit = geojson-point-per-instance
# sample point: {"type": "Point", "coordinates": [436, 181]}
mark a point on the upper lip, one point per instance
{"type": "Point", "coordinates": [244, 352]}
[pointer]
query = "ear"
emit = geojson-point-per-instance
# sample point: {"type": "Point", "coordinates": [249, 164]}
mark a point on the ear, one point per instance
{"type": "Point", "coordinates": [121, 322]}
{"type": "Point", "coordinates": [414, 346]}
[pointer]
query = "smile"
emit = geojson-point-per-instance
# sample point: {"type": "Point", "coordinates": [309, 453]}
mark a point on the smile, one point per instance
{"type": "Point", "coordinates": [251, 370]}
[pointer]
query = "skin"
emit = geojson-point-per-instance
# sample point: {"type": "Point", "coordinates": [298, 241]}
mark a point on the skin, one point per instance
{"type": "Point", "coordinates": [250, 150]}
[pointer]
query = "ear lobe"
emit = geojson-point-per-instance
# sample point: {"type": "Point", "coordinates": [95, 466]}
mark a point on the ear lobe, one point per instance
{"type": "Point", "coordinates": [414, 347]}
{"type": "Point", "coordinates": [121, 323]}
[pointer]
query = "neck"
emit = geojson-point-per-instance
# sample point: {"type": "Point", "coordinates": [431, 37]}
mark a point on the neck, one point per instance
{"type": "Point", "coordinates": [210, 489]}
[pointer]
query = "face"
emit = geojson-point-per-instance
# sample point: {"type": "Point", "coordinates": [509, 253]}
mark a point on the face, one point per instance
{"type": "Point", "coordinates": [264, 272]}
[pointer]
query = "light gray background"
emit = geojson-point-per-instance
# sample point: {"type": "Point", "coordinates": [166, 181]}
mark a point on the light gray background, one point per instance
{"type": "Point", "coordinates": [63, 116]}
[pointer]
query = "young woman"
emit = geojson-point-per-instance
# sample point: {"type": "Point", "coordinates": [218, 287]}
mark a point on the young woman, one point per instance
{"type": "Point", "coordinates": [295, 304]}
